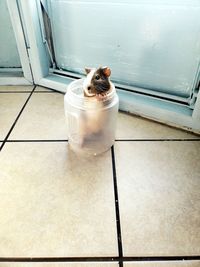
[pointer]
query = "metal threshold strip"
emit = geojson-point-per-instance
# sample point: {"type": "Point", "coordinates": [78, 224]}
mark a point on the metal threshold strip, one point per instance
{"type": "Point", "coordinates": [137, 90]}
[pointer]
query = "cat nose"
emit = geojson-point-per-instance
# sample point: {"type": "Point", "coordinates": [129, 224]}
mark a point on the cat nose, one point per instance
{"type": "Point", "coordinates": [89, 87]}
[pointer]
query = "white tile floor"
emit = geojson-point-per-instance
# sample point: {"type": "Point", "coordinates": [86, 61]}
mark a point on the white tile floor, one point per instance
{"type": "Point", "coordinates": [138, 202]}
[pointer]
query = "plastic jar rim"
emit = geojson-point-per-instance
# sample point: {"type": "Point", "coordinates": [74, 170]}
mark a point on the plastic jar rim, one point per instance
{"type": "Point", "coordinates": [80, 100]}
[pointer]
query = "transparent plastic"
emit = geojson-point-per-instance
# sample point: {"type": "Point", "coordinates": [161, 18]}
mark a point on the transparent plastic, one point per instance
{"type": "Point", "coordinates": [91, 122]}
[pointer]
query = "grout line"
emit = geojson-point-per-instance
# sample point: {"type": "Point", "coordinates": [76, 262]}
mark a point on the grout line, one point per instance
{"type": "Point", "coordinates": [158, 140]}
{"type": "Point", "coordinates": [35, 141]}
{"type": "Point", "coordinates": [46, 92]}
{"type": "Point", "coordinates": [101, 259]}
{"type": "Point", "coordinates": [12, 127]}
{"type": "Point", "coordinates": [36, 92]}
{"type": "Point", "coordinates": [117, 140]}
{"type": "Point", "coordinates": [60, 259]}
{"type": "Point", "coordinates": [51, 90]}
{"type": "Point", "coordinates": [15, 92]}
{"type": "Point", "coordinates": [119, 236]}
{"type": "Point", "coordinates": [162, 258]}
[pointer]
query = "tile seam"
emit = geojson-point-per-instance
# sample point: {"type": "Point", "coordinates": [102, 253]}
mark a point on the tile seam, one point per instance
{"type": "Point", "coordinates": [16, 119]}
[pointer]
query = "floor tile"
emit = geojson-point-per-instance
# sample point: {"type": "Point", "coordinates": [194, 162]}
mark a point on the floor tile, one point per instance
{"type": "Point", "coordinates": [43, 89]}
{"type": "Point", "coordinates": [55, 203]}
{"type": "Point", "coordinates": [79, 264]}
{"type": "Point", "coordinates": [43, 118]}
{"type": "Point", "coordinates": [10, 106]}
{"type": "Point", "coordinates": [11, 88]}
{"type": "Point", "coordinates": [133, 127]}
{"type": "Point", "coordinates": [159, 185]}
{"type": "Point", "coordinates": [164, 264]}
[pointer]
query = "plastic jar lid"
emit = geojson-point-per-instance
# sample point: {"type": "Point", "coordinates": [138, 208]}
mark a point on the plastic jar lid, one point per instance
{"type": "Point", "coordinates": [76, 97]}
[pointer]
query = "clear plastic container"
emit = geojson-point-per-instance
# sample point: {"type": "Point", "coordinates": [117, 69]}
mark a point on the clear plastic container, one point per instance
{"type": "Point", "coordinates": [91, 123]}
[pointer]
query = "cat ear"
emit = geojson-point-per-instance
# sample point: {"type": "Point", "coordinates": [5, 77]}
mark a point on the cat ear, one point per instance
{"type": "Point", "coordinates": [106, 71]}
{"type": "Point", "coordinates": [87, 70]}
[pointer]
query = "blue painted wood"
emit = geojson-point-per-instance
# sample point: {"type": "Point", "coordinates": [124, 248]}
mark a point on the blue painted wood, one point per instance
{"type": "Point", "coordinates": [9, 56]}
{"type": "Point", "coordinates": [150, 44]}
{"type": "Point", "coordinates": [164, 111]}
{"type": "Point", "coordinates": [151, 107]}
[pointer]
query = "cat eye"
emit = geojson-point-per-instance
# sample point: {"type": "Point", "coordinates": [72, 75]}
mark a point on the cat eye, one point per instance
{"type": "Point", "coordinates": [97, 77]}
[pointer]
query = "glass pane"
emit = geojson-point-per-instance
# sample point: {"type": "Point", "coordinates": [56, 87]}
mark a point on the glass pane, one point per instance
{"type": "Point", "coordinates": [149, 44]}
{"type": "Point", "coordinates": [9, 56]}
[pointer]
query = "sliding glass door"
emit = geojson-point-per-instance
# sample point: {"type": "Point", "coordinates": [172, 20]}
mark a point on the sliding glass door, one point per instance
{"type": "Point", "coordinates": [13, 69]}
{"type": "Point", "coordinates": [151, 46]}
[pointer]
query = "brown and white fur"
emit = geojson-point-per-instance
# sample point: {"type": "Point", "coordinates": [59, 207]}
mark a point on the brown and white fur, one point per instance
{"type": "Point", "coordinates": [97, 83]}
{"type": "Point", "coordinates": [96, 86]}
